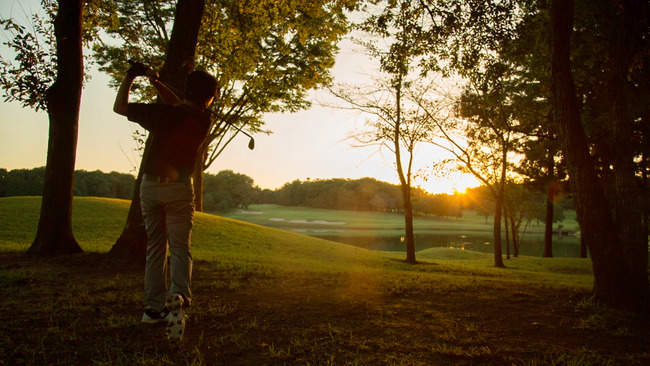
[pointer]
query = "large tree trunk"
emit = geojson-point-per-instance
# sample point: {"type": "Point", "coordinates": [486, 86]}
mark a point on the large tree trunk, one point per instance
{"type": "Point", "coordinates": [54, 235]}
{"type": "Point", "coordinates": [632, 247]}
{"type": "Point", "coordinates": [620, 266]}
{"type": "Point", "coordinates": [132, 244]}
{"type": "Point", "coordinates": [199, 167]}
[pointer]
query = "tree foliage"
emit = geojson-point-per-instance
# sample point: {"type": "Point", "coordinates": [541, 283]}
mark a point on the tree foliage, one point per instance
{"type": "Point", "coordinates": [25, 79]}
{"type": "Point", "coordinates": [228, 190]}
{"type": "Point", "coordinates": [607, 197]}
{"type": "Point", "coordinates": [28, 67]}
{"type": "Point", "coordinates": [265, 55]}
{"type": "Point", "coordinates": [29, 182]}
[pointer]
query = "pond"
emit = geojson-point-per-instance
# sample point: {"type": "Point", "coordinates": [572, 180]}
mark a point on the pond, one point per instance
{"type": "Point", "coordinates": [532, 245]}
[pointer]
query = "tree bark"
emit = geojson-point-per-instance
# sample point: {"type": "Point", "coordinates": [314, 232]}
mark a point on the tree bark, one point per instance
{"type": "Point", "coordinates": [199, 167]}
{"type": "Point", "coordinates": [197, 183]}
{"type": "Point", "coordinates": [496, 230]}
{"type": "Point", "coordinates": [405, 181]}
{"type": "Point", "coordinates": [408, 221]}
{"type": "Point", "coordinates": [620, 266]}
{"type": "Point", "coordinates": [132, 244]}
{"type": "Point", "coordinates": [498, 211]}
{"type": "Point", "coordinates": [632, 247]}
{"type": "Point", "coordinates": [507, 229]}
{"type": "Point", "coordinates": [54, 235]}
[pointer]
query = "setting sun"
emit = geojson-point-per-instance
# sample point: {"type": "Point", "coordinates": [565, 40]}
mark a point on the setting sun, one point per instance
{"type": "Point", "coordinates": [455, 182]}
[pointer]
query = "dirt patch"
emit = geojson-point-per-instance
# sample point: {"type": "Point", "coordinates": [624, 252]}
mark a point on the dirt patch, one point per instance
{"type": "Point", "coordinates": [81, 308]}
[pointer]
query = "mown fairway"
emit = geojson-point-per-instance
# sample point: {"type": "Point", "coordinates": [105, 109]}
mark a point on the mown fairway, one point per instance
{"type": "Point", "coordinates": [269, 297]}
{"type": "Point", "coordinates": [385, 231]}
{"type": "Point", "coordinates": [268, 215]}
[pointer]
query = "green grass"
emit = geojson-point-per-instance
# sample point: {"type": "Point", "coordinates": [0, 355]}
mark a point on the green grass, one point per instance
{"type": "Point", "coordinates": [97, 222]}
{"type": "Point", "coordinates": [264, 213]}
{"type": "Point", "coordinates": [267, 296]}
{"type": "Point", "coordinates": [369, 223]}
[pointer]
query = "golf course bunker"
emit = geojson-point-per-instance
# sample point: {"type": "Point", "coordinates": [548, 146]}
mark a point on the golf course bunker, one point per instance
{"type": "Point", "coordinates": [307, 222]}
{"type": "Point", "coordinates": [317, 231]}
{"type": "Point", "coordinates": [250, 212]}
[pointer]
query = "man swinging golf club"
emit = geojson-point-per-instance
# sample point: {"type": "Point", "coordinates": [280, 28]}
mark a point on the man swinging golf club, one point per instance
{"type": "Point", "coordinates": [177, 129]}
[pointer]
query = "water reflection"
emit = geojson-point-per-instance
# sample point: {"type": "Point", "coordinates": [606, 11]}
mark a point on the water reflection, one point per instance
{"type": "Point", "coordinates": [532, 245]}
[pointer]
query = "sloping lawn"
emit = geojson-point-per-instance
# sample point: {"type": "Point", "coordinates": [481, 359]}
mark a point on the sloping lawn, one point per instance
{"type": "Point", "coordinates": [268, 297]}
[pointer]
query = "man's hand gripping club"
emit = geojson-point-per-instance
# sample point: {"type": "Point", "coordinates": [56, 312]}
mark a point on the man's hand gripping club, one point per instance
{"type": "Point", "coordinates": [140, 69]}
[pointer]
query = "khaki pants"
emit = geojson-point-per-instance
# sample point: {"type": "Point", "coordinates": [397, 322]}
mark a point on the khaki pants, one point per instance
{"type": "Point", "coordinates": [168, 212]}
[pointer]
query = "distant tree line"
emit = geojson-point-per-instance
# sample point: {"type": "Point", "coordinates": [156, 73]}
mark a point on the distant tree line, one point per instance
{"type": "Point", "coordinates": [228, 190]}
{"type": "Point", "coordinates": [365, 194]}
{"type": "Point", "coordinates": [29, 182]}
{"type": "Point", "coordinates": [369, 194]}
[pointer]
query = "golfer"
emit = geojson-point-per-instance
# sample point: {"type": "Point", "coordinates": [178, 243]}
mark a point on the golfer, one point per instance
{"type": "Point", "coordinates": [177, 129]}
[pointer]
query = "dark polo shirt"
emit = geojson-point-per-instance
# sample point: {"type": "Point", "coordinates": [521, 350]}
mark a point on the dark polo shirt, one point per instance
{"type": "Point", "coordinates": [177, 133]}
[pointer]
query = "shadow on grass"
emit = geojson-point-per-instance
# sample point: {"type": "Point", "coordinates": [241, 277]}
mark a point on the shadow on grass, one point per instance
{"type": "Point", "coordinates": [84, 309]}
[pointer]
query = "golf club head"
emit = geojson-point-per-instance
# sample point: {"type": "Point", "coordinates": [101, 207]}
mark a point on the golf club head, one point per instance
{"type": "Point", "coordinates": [251, 144]}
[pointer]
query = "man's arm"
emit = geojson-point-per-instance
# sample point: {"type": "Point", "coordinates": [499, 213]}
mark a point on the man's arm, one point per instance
{"type": "Point", "coordinates": [122, 98]}
{"type": "Point", "coordinates": [167, 95]}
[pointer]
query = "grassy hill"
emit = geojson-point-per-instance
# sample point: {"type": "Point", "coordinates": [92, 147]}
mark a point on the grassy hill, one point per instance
{"type": "Point", "coordinates": [267, 296]}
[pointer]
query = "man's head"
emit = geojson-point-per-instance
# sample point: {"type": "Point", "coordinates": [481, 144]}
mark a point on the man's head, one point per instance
{"type": "Point", "coordinates": [200, 87]}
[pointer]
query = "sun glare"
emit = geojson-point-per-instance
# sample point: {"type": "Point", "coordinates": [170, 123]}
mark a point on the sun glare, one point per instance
{"type": "Point", "coordinates": [452, 184]}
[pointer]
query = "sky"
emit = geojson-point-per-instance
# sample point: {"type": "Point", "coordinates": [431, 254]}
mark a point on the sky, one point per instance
{"type": "Point", "coordinates": [310, 144]}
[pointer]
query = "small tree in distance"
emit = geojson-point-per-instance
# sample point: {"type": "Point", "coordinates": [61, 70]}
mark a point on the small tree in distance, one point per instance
{"type": "Point", "coordinates": [396, 124]}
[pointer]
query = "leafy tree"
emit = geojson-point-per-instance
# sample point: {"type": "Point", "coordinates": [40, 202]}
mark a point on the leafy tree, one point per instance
{"type": "Point", "coordinates": [54, 235]}
{"type": "Point", "coordinates": [24, 182]}
{"type": "Point", "coordinates": [365, 194]}
{"type": "Point", "coordinates": [611, 225]}
{"type": "Point", "coordinates": [528, 52]}
{"type": "Point", "coordinates": [34, 83]}
{"type": "Point", "coordinates": [456, 37]}
{"type": "Point", "coordinates": [228, 190]}
{"type": "Point", "coordinates": [266, 55]}
{"type": "Point", "coordinates": [30, 182]}
{"type": "Point", "coordinates": [523, 206]}
{"type": "Point", "coordinates": [100, 184]}
{"type": "Point", "coordinates": [491, 135]}
{"type": "Point", "coordinates": [395, 127]}
{"type": "Point", "coordinates": [482, 137]}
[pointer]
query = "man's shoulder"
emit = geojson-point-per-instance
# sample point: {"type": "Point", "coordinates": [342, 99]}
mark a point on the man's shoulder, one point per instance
{"type": "Point", "coordinates": [159, 110]}
{"type": "Point", "coordinates": [161, 115]}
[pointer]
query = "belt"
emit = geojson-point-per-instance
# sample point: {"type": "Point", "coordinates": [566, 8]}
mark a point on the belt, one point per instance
{"type": "Point", "coordinates": [159, 179]}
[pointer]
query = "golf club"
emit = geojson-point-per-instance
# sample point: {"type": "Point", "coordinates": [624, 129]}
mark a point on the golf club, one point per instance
{"type": "Point", "coordinates": [251, 143]}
